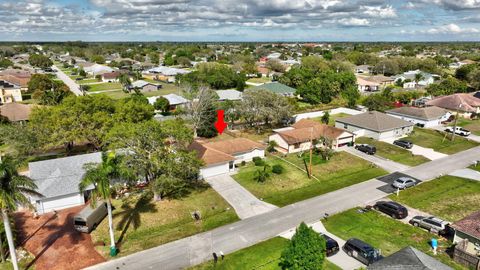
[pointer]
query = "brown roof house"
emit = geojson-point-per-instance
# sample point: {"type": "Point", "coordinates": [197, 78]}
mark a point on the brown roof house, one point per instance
{"type": "Point", "coordinates": [375, 125]}
{"type": "Point", "coordinates": [465, 104]}
{"type": "Point", "coordinates": [17, 77]}
{"type": "Point", "coordinates": [423, 117]}
{"type": "Point", "coordinates": [15, 112]}
{"type": "Point", "coordinates": [299, 136]}
{"type": "Point", "coordinates": [220, 157]}
{"type": "Point", "coordinates": [467, 233]}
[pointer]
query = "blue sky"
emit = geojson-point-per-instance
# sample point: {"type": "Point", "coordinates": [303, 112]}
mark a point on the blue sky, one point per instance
{"type": "Point", "coordinates": [239, 20]}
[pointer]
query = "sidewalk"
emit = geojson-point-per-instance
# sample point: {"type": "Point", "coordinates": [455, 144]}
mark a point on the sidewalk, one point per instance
{"type": "Point", "coordinates": [422, 151]}
{"type": "Point", "coordinates": [467, 173]}
{"type": "Point", "coordinates": [72, 85]}
{"type": "Point", "coordinates": [341, 259]}
{"type": "Point", "coordinates": [245, 204]}
{"type": "Point", "coordinates": [386, 164]}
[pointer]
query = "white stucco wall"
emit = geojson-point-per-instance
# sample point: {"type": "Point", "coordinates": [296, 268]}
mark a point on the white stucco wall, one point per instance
{"type": "Point", "coordinates": [57, 203]}
{"type": "Point", "coordinates": [360, 132]}
{"type": "Point", "coordinates": [425, 123]}
{"type": "Point", "coordinates": [301, 116]}
{"type": "Point", "coordinates": [214, 170]}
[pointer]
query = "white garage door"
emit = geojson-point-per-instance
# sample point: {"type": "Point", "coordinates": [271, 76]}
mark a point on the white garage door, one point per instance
{"type": "Point", "coordinates": [57, 203]}
{"type": "Point", "coordinates": [214, 170]}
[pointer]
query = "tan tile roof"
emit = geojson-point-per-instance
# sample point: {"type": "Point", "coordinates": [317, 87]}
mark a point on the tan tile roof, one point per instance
{"type": "Point", "coordinates": [223, 151]}
{"type": "Point", "coordinates": [21, 78]}
{"type": "Point", "coordinates": [15, 111]}
{"type": "Point", "coordinates": [427, 113]}
{"type": "Point", "coordinates": [469, 225]}
{"type": "Point", "coordinates": [452, 102]}
{"type": "Point", "coordinates": [375, 121]}
{"type": "Point", "coordinates": [306, 129]}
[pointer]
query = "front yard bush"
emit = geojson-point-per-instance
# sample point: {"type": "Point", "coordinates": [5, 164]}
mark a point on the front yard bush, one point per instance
{"type": "Point", "coordinates": [277, 169]}
{"type": "Point", "coordinates": [258, 161]}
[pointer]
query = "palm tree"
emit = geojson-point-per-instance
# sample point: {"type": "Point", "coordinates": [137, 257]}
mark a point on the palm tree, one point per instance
{"type": "Point", "coordinates": [100, 175]}
{"type": "Point", "coordinates": [124, 79]}
{"type": "Point", "coordinates": [13, 191]}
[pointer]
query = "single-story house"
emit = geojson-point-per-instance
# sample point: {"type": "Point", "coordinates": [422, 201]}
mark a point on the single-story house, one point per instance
{"type": "Point", "coordinates": [174, 100]}
{"type": "Point", "coordinates": [166, 74]}
{"type": "Point", "coordinates": [468, 229]}
{"type": "Point", "coordinates": [425, 78]}
{"type": "Point", "coordinates": [298, 137]}
{"type": "Point", "coordinates": [111, 76]}
{"type": "Point", "coordinates": [365, 85]}
{"type": "Point", "coordinates": [362, 69]}
{"type": "Point", "coordinates": [423, 117]}
{"type": "Point", "coordinates": [97, 69]}
{"type": "Point", "coordinates": [229, 95]}
{"type": "Point", "coordinates": [220, 157]}
{"type": "Point", "coordinates": [16, 112]}
{"type": "Point", "coordinates": [277, 88]}
{"type": "Point", "coordinates": [58, 179]}
{"type": "Point", "coordinates": [375, 125]}
{"type": "Point", "coordinates": [17, 77]}
{"type": "Point", "coordinates": [465, 104]}
{"type": "Point", "coordinates": [408, 258]}
{"type": "Point", "coordinates": [9, 92]}
{"type": "Point", "coordinates": [145, 86]}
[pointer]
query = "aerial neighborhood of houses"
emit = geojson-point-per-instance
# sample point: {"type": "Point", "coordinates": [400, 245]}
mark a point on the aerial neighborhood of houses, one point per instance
{"type": "Point", "coordinates": [234, 155]}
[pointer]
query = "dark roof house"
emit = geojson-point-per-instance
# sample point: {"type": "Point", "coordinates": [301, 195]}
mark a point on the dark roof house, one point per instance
{"type": "Point", "coordinates": [409, 258]}
{"type": "Point", "coordinates": [375, 121]}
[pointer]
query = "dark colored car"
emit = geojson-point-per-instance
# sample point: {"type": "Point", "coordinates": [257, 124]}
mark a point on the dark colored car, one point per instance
{"type": "Point", "coordinates": [392, 209]}
{"type": "Point", "coordinates": [404, 143]}
{"type": "Point", "coordinates": [361, 251]}
{"type": "Point", "coordinates": [332, 245]}
{"type": "Point", "coordinates": [366, 148]}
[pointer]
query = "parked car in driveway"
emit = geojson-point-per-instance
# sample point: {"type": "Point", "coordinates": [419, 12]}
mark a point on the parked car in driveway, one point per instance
{"type": "Point", "coordinates": [332, 245]}
{"type": "Point", "coordinates": [366, 148]}
{"type": "Point", "coordinates": [432, 224]}
{"type": "Point", "coordinates": [361, 251]}
{"type": "Point", "coordinates": [458, 130]}
{"type": "Point", "coordinates": [403, 143]}
{"type": "Point", "coordinates": [392, 209]}
{"type": "Point", "coordinates": [404, 182]}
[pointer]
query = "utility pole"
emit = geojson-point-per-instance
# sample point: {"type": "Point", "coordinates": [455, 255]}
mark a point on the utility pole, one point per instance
{"type": "Point", "coordinates": [455, 123]}
{"type": "Point", "coordinates": [311, 151]}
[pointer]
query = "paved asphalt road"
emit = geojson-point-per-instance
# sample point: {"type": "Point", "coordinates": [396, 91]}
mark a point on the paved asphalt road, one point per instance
{"type": "Point", "coordinates": [74, 87]}
{"type": "Point", "coordinates": [229, 238]}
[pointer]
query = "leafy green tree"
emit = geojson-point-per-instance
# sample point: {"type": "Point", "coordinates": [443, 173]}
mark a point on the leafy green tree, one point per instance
{"type": "Point", "coordinates": [82, 72]}
{"type": "Point", "coordinates": [387, 67]}
{"type": "Point", "coordinates": [463, 72]}
{"type": "Point", "coordinates": [39, 60]}
{"type": "Point", "coordinates": [377, 102]}
{"type": "Point", "coordinates": [474, 79]}
{"type": "Point", "coordinates": [306, 250]}
{"type": "Point", "coordinates": [124, 80]}
{"type": "Point", "coordinates": [48, 91]}
{"type": "Point", "coordinates": [161, 104]}
{"type": "Point", "coordinates": [326, 117]}
{"type": "Point", "coordinates": [13, 191]}
{"type": "Point", "coordinates": [5, 63]}
{"type": "Point", "coordinates": [448, 86]}
{"type": "Point", "coordinates": [99, 59]}
{"type": "Point", "coordinates": [261, 175]}
{"type": "Point", "coordinates": [133, 109]}
{"type": "Point", "coordinates": [101, 176]}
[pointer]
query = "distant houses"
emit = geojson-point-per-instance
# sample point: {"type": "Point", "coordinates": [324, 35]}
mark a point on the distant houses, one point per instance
{"type": "Point", "coordinates": [277, 88]}
{"type": "Point", "coordinates": [175, 101]}
{"type": "Point", "coordinates": [232, 95]}
{"type": "Point", "coordinates": [464, 104]}
{"type": "Point", "coordinates": [423, 117]}
{"type": "Point", "coordinates": [416, 77]}
{"type": "Point", "coordinates": [144, 86]}
{"type": "Point", "coordinates": [166, 74]}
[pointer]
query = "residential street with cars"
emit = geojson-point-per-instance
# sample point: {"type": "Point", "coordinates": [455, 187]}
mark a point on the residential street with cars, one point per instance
{"type": "Point", "coordinates": [252, 230]}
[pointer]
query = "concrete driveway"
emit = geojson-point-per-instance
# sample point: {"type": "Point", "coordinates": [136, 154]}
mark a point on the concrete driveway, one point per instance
{"type": "Point", "coordinates": [245, 204]}
{"type": "Point", "coordinates": [422, 151]}
{"type": "Point", "coordinates": [386, 164]}
{"type": "Point", "coordinates": [466, 173]}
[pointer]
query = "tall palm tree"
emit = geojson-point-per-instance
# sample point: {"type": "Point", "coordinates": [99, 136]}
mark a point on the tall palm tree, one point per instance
{"type": "Point", "coordinates": [13, 191]}
{"type": "Point", "coordinates": [100, 176]}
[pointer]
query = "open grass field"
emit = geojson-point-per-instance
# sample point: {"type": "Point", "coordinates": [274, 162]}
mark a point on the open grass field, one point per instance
{"type": "Point", "coordinates": [451, 198]}
{"type": "Point", "coordinates": [472, 125]}
{"type": "Point", "coordinates": [259, 80]}
{"type": "Point", "coordinates": [166, 89]}
{"type": "Point", "coordinates": [262, 256]}
{"type": "Point", "coordinates": [139, 226]}
{"type": "Point", "coordinates": [393, 152]}
{"type": "Point", "coordinates": [105, 86]}
{"type": "Point", "coordinates": [87, 81]}
{"type": "Point", "coordinates": [387, 234]}
{"type": "Point", "coordinates": [293, 185]}
{"type": "Point", "coordinates": [439, 142]}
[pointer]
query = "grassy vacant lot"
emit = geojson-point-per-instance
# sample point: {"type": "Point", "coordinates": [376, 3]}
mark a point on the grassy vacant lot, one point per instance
{"type": "Point", "coordinates": [293, 185]}
{"type": "Point", "coordinates": [166, 89]}
{"type": "Point", "coordinates": [393, 152]}
{"type": "Point", "coordinates": [435, 139]}
{"type": "Point", "coordinates": [87, 81]}
{"type": "Point", "coordinates": [259, 80]}
{"type": "Point", "coordinates": [472, 125]}
{"type": "Point", "coordinates": [104, 86]}
{"type": "Point", "coordinates": [449, 197]}
{"type": "Point", "coordinates": [262, 256]}
{"type": "Point", "coordinates": [333, 117]}
{"type": "Point", "coordinates": [154, 223]}
{"type": "Point", "coordinates": [385, 233]}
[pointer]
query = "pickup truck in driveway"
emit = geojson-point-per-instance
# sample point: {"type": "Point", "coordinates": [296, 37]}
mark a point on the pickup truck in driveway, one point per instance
{"type": "Point", "coordinates": [458, 131]}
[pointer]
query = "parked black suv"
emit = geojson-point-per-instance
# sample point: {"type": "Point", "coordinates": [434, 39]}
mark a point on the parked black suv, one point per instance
{"type": "Point", "coordinates": [361, 251]}
{"type": "Point", "coordinates": [392, 209]}
{"type": "Point", "coordinates": [366, 148]}
{"type": "Point", "coordinates": [404, 143]}
{"type": "Point", "coordinates": [332, 245]}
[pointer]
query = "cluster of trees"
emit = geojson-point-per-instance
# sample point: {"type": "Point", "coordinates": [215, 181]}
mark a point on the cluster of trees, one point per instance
{"type": "Point", "coordinates": [386, 99]}
{"type": "Point", "coordinates": [5, 63]}
{"type": "Point", "coordinates": [40, 60]}
{"type": "Point", "coordinates": [447, 86]}
{"type": "Point", "coordinates": [215, 75]}
{"type": "Point", "coordinates": [318, 81]}
{"type": "Point", "coordinates": [46, 90]}
{"type": "Point", "coordinates": [395, 65]}
{"type": "Point", "coordinates": [469, 74]}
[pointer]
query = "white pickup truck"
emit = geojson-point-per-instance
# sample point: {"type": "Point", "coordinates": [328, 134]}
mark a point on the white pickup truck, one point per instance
{"type": "Point", "coordinates": [458, 130]}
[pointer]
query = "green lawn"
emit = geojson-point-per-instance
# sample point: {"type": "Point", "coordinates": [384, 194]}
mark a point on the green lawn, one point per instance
{"type": "Point", "coordinates": [439, 142]}
{"type": "Point", "coordinates": [293, 185]}
{"type": "Point", "coordinates": [476, 168]}
{"type": "Point", "coordinates": [155, 223]}
{"type": "Point", "coordinates": [472, 125]}
{"type": "Point", "coordinates": [448, 197]}
{"type": "Point", "coordinates": [87, 80]}
{"type": "Point", "coordinates": [387, 234]}
{"type": "Point", "coordinates": [393, 152]}
{"type": "Point", "coordinates": [333, 117]}
{"type": "Point", "coordinates": [262, 256]}
{"type": "Point", "coordinates": [104, 86]}
{"type": "Point", "coordinates": [167, 88]}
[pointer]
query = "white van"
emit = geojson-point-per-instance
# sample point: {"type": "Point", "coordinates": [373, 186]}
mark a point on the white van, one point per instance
{"type": "Point", "coordinates": [88, 219]}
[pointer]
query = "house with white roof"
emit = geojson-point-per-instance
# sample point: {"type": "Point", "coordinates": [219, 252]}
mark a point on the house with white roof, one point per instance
{"type": "Point", "coordinates": [166, 74]}
{"type": "Point", "coordinates": [229, 95]}
{"type": "Point", "coordinates": [97, 69]}
{"type": "Point", "coordinates": [174, 100]}
{"type": "Point", "coordinates": [145, 86]}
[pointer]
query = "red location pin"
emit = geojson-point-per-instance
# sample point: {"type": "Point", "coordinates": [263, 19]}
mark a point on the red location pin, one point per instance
{"type": "Point", "coordinates": [220, 125]}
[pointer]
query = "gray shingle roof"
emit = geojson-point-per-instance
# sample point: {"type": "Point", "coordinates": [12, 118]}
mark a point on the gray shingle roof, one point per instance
{"type": "Point", "coordinates": [61, 176]}
{"type": "Point", "coordinates": [427, 113]}
{"type": "Point", "coordinates": [375, 121]}
{"type": "Point", "coordinates": [409, 258]}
